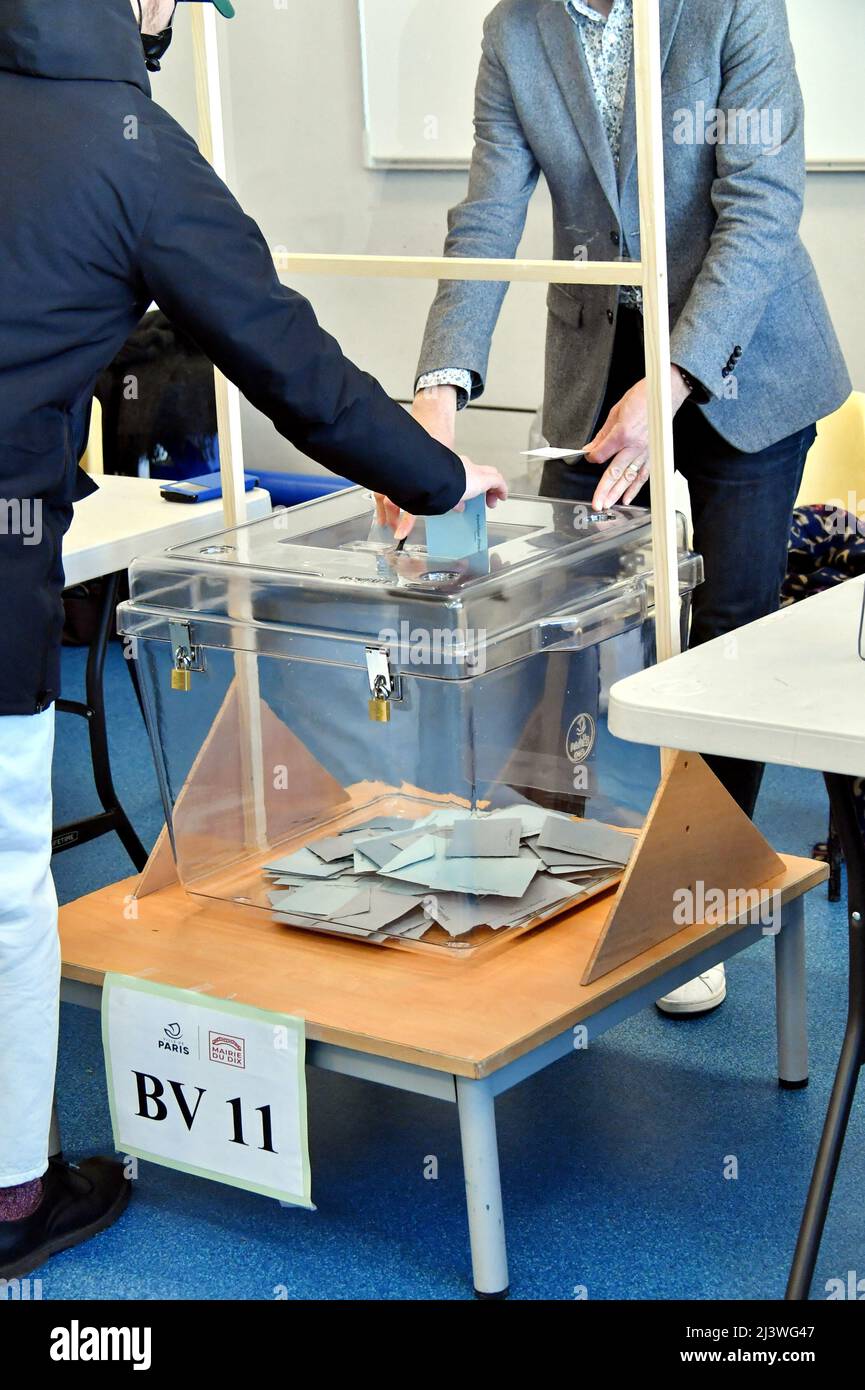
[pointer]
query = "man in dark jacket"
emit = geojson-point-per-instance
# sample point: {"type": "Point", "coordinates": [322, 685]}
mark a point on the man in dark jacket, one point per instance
{"type": "Point", "coordinates": [106, 206]}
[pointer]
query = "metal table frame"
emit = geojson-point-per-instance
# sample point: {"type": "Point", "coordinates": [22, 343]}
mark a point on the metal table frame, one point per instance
{"type": "Point", "coordinates": [92, 709]}
{"type": "Point", "coordinates": [475, 1098]}
{"type": "Point", "coordinates": [852, 1057]}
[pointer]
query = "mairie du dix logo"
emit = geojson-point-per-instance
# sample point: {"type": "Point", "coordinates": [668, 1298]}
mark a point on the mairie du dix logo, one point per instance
{"type": "Point", "coordinates": [580, 738]}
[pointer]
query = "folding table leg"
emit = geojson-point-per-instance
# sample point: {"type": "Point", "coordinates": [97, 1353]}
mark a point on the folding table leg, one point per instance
{"type": "Point", "coordinates": [477, 1114]}
{"type": "Point", "coordinates": [852, 1051]}
{"type": "Point", "coordinates": [113, 817]}
{"type": "Point", "coordinates": [790, 998]}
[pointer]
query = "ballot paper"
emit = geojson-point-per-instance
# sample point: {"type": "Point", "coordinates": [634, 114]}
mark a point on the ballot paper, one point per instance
{"type": "Point", "coordinates": [338, 846]}
{"type": "Point", "coordinates": [306, 863]}
{"type": "Point", "coordinates": [542, 894]}
{"type": "Point", "coordinates": [550, 453]}
{"type": "Point", "coordinates": [328, 900]}
{"type": "Point", "coordinates": [452, 870]}
{"type": "Point", "coordinates": [413, 926]}
{"type": "Point", "coordinates": [384, 909]}
{"type": "Point", "coordinates": [321, 924]}
{"type": "Point", "coordinates": [457, 534]}
{"type": "Point", "coordinates": [458, 913]}
{"type": "Point", "coordinates": [588, 838]}
{"type": "Point", "coordinates": [485, 839]}
{"type": "Point", "coordinates": [406, 933]}
{"type": "Point", "coordinates": [557, 859]}
{"type": "Point", "coordinates": [362, 865]}
{"type": "Point", "coordinates": [505, 877]}
{"type": "Point", "coordinates": [398, 851]}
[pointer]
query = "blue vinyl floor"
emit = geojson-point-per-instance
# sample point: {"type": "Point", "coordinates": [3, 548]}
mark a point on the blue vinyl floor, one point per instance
{"type": "Point", "coordinates": [612, 1160]}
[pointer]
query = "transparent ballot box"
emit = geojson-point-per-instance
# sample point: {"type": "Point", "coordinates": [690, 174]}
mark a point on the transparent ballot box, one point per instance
{"type": "Point", "coordinates": [393, 747]}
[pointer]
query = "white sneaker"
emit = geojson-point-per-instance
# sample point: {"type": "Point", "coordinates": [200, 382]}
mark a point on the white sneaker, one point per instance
{"type": "Point", "coordinates": [698, 996]}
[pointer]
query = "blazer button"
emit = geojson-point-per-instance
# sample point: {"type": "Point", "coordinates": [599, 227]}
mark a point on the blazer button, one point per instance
{"type": "Point", "coordinates": [611, 316]}
{"type": "Point", "coordinates": [615, 238]}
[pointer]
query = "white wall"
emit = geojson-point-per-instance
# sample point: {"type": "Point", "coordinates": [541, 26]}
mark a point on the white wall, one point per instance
{"type": "Point", "coordinates": [293, 72]}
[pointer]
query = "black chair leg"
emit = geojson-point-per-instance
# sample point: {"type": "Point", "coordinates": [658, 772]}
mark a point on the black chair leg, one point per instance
{"type": "Point", "coordinates": [836, 860]}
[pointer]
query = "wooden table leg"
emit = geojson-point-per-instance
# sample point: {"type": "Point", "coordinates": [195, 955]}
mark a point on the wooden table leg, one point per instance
{"type": "Point", "coordinates": [477, 1114]}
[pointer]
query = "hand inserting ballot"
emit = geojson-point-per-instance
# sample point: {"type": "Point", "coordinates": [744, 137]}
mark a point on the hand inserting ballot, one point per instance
{"type": "Point", "coordinates": [480, 480]}
{"type": "Point", "coordinates": [623, 443]}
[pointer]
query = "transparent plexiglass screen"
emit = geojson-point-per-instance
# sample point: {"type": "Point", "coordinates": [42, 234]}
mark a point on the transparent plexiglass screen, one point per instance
{"type": "Point", "coordinates": [265, 751]}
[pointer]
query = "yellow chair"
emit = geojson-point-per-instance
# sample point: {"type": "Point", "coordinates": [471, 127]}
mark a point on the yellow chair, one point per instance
{"type": "Point", "coordinates": [835, 474]}
{"type": "Point", "coordinates": [835, 471]}
{"type": "Point", "coordinates": [92, 462]}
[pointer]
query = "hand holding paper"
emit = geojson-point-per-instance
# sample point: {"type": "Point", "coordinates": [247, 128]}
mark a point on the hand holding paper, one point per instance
{"type": "Point", "coordinates": [481, 482]}
{"type": "Point", "coordinates": [548, 453]}
{"type": "Point", "coordinates": [623, 444]}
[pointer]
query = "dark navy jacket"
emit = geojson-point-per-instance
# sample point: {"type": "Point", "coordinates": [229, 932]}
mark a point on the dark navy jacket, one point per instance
{"type": "Point", "coordinates": [105, 205]}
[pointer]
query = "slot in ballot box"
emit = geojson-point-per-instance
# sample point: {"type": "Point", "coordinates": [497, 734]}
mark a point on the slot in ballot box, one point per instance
{"type": "Point", "coordinates": [392, 747]}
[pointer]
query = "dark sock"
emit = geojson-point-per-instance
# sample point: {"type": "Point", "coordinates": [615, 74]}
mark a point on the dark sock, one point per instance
{"type": "Point", "coordinates": [18, 1202]}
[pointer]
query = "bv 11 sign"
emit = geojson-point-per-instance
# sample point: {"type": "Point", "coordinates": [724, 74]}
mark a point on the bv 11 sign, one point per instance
{"type": "Point", "coordinates": [208, 1086]}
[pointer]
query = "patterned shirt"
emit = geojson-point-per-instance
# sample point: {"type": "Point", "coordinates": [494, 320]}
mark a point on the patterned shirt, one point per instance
{"type": "Point", "coordinates": [608, 43]}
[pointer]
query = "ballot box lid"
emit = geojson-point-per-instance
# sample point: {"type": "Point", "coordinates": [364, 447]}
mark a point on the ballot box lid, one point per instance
{"type": "Point", "coordinates": [555, 572]}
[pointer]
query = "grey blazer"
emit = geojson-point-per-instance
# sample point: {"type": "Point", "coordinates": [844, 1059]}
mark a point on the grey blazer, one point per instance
{"type": "Point", "coordinates": [749, 319]}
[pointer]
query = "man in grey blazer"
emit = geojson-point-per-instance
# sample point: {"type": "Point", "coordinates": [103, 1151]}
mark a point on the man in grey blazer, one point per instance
{"type": "Point", "coordinates": [755, 360]}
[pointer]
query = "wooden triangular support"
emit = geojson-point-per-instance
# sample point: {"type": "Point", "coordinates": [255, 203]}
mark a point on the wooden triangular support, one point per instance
{"type": "Point", "coordinates": [695, 839]}
{"type": "Point", "coordinates": [220, 778]}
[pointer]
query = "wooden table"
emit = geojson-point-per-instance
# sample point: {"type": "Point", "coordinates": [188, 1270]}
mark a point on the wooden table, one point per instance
{"type": "Point", "coordinates": [461, 1031]}
{"type": "Point", "coordinates": [788, 689]}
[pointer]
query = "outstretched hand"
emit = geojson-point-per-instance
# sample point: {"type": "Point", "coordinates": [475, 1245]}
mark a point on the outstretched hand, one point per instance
{"type": "Point", "coordinates": [480, 481]}
{"type": "Point", "coordinates": [623, 444]}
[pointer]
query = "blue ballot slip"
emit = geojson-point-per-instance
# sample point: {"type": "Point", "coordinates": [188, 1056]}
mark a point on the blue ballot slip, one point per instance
{"type": "Point", "coordinates": [457, 534]}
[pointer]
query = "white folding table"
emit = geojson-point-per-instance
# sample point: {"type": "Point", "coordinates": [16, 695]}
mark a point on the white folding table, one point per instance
{"type": "Point", "coordinates": [788, 689]}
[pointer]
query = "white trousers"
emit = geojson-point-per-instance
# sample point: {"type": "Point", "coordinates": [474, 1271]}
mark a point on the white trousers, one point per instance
{"type": "Point", "coordinates": [29, 947]}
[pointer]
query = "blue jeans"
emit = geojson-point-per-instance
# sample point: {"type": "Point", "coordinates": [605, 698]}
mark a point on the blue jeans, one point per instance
{"type": "Point", "coordinates": [742, 506]}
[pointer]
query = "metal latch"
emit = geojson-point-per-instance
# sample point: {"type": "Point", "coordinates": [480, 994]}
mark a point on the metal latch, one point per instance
{"type": "Point", "coordinates": [187, 657]}
{"type": "Point", "coordinates": [384, 687]}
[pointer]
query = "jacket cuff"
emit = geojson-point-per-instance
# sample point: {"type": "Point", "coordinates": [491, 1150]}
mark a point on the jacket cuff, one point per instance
{"type": "Point", "coordinates": [712, 366]}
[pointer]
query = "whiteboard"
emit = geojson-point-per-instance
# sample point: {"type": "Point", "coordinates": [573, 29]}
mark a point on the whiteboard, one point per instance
{"type": "Point", "coordinates": [829, 38]}
{"type": "Point", "coordinates": [420, 61]}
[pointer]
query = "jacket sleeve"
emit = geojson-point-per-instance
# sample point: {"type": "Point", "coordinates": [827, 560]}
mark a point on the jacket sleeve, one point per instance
{"type": "Point", "coordinates": [490, 223]}
{"type": "Point", "coordinates": [758, 195]}
{"type": "Point", "coordinates": [208, 267]}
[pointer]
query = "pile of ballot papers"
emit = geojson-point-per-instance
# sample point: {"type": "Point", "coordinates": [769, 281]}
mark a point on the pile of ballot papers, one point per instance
{"type": "Point", "coordinates": [452, 870]}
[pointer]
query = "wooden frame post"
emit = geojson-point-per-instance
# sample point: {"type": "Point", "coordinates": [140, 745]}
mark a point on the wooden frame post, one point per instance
{"type": "Point", "coordinates": [656, 307]}
{"type": "Point", "coordinates": [211, 139]}
{"type": "Point", "coordinates": [208, 92]}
